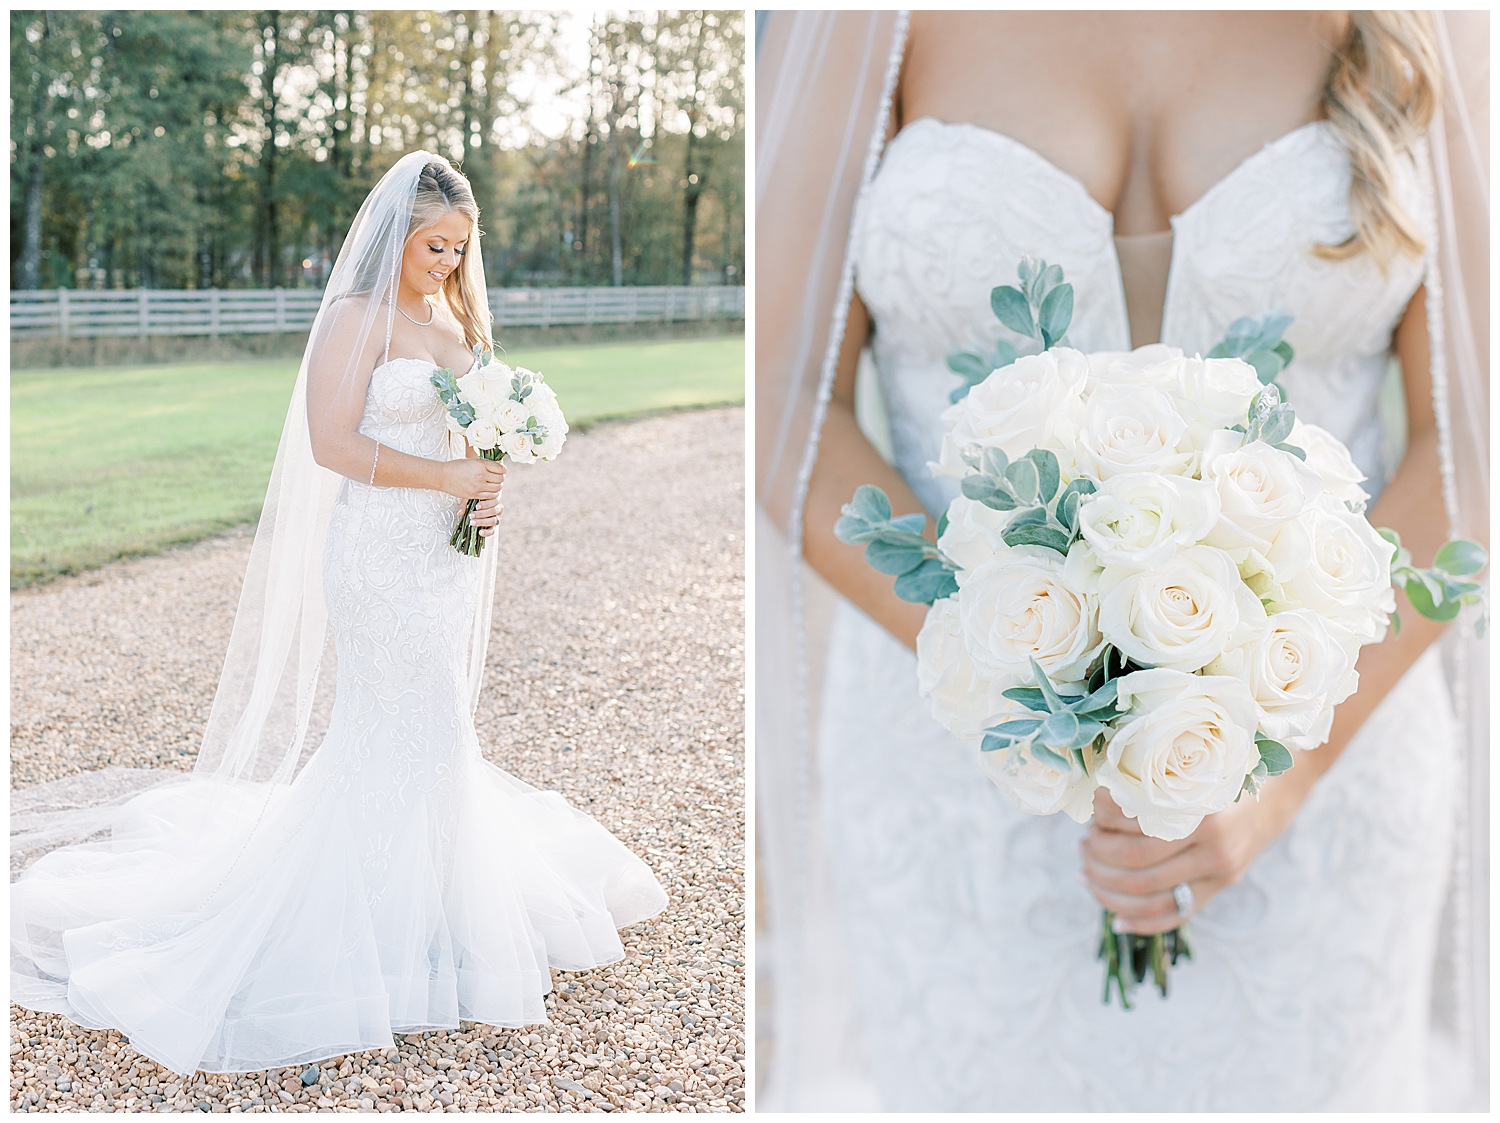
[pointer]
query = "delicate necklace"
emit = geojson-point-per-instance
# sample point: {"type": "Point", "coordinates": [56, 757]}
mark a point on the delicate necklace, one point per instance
{"type": "Point", "coordinates": [432, 313]}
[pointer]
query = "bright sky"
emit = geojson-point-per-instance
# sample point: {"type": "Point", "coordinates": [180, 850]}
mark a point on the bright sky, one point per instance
{"type": "Point", "coordinates": [554, 113]}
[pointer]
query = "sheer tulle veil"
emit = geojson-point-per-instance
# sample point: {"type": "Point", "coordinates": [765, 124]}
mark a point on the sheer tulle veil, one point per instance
{"type": "Point", "coordinates": [824, 86]}
{"type": "Point", "coordinates": [280, 647]}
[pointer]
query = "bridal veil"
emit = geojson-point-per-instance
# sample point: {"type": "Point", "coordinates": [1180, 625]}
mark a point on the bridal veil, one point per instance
{"type": "Point", "coordinates": [280, 647]}
{"type": "Point", "coordinates": [824, 85]}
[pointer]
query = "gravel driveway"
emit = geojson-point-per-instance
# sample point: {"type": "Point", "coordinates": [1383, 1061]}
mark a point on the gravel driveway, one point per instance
{"type": "Point", "coordinates": [616, 677]}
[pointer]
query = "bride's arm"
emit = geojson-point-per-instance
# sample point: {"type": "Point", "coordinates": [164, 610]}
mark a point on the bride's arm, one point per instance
{"type": "Point", "coordinates": [1133, 875]}
{"type": "Point", "coordinates": [845, 461]}
{"type": "Point", "coordinates": [336, 387]}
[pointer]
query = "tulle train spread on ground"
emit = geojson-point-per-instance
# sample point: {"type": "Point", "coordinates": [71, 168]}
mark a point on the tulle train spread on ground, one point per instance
{"type": "Point", "coordinates": [399, 883]}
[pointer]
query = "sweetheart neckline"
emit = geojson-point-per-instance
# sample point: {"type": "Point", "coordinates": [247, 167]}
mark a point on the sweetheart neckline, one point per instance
{"type": "Point", "coordinates": [427, 362]}
{"type": "Point", "coordinates": [1101, 212]}
{"type": "Point", "coordinates": [1077, 183]}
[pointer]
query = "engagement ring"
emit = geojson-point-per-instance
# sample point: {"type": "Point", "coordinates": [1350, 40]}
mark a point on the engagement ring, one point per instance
{"type": "Point", "coordinates": [1183, 894]}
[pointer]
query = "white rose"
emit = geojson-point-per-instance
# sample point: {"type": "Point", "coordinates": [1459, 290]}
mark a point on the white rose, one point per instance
{"type": "Point", "coordinates": [511, 415]}
{"type": "Point", "coordinates": [1182, 614]}
{"type": "Point", "coordinates": [517, 446]}
{"type": "Point", "coordinates": [1133, 429]}
{"type": "Point", "coordinates": [552, 443]}
{"type": "Point", "coordinates": [1297, 670]}
{"type": "Point", "coordinates": [946, 675]}
{"type": "Point", "coordinates": [1182, 752]}
{"type": "Point", "coordinates": [972, 536]}
{"type": "Point", "coordinates": [1216, 393]}
{"type": "Point", "coordinates": [1140, 519]}
{"type": "Point", "coordinates": [1015, 608]}
{"type": "Point", "coordinates": [1327, 456]}
{"type": "Point", "coordinates": [1347, 578]}
{"type": "Point", "coordinates": [1152, 365]}
{"type": "Point", "coordinates": [483, 434]}
{"type": "Point", "coordinates": [1032, 403]}
{"type": "Point", "coordinates": [1260, 490]}
{"type": "Point", "coordinates": [1033, 785]}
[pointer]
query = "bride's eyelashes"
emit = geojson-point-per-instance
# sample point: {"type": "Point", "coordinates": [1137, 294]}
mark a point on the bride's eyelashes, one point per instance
{"type": "Point", "coordinates": [459, 250]}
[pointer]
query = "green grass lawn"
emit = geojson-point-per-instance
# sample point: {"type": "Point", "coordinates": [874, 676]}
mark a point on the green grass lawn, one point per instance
{"type": "Point", "coordinates": [114, 462]}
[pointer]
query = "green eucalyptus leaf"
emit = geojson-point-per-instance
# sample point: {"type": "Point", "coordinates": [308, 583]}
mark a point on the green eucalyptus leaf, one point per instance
{"type": "Point", "coordinates": [1011, 308]}
{"type": "Point", "coordinates": [853, 530]}
{"type": "Point", "coordinates": [942, 524]}
{"type": "Point", "coordinates": [1032, 535]}
{"type": "Point", "coordinates": [925, 583]}
{"type": "Point", "coordinates": [914, 523]}
{"type": "Point", "coordinates": [1101, 700]}
{"type": "Point", "coordinates": [870, 504]}
{"type": "Point", "coordinates": [1029, 696]}
{"type": "Point", "coordinates": [1047, 473]}
{"type": "Point", "coordinates": [1285, 352]}
{"type": "Point", "coordinates": [1274, 755]}
{"type": "Point", "coordinates": [1046, 756]}
{"type": "Point", "coordinates": [1460, 557]}
{"type": "Point", "coordinates": [1056, 311]}
{"type": "Point", "coordinates": [1031, 516]}
{"type": "Point", "coordinates": [1024, 480]}
{"type": "Point", "coordinates": [1044, 684]}
{"type": "Point", "coordinates": [1299, 453]}
{"type": "Point", "coordinates": [893, 560]}
{"type": "Point", "coordinates": [1005, 354]}
{"type": "Point", "coordinates": [1395, 623]}
{"type": "Point", "coordinates": [1423, 600]}
{"type": "Point", "coordinates": [973, 367]}
{"type": "Point", "coordinates": [1059, 729]}
{"type": "Point", "coordinates": [1088, 729]}
{"type": "Point", "coordinates": [994, 462]}
{"type": "Point", "coordinates": [999, 501]}
{"type": "Point", "coordinates": [892, 535]}
{"type": "Point", "coordinates": [977, 487]}
{"type": "Point", "coordinates": [1267, 365]}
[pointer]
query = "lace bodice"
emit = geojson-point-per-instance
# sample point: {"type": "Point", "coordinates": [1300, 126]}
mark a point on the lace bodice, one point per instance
{"type": "Point", "coordinates": [403, 411]}
{"type": "Point", "coordinates": [970, 940]}
{"type": "Point", "coordinates": [954, 207]}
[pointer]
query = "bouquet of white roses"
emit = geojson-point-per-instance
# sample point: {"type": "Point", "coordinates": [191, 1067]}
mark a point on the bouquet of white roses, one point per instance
{"type": "Point", "coordinates": [1156, 580]}
{"type": "Point", "coordinates": [506, 413]}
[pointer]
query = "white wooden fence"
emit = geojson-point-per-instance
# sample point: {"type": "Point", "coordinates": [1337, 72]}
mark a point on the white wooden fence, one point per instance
{"type": "Point", "coordinates": [83, 313]}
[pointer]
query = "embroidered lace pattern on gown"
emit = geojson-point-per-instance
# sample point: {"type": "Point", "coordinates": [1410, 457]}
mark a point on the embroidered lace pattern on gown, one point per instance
{"type": "Point", "coordinates": [973, 943]}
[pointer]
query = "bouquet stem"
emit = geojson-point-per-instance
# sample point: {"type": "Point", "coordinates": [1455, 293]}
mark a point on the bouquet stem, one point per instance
{"type": "Point", "coordinates": [1128, 958]}
{"type": "Point", "coordinates": [466, 538]}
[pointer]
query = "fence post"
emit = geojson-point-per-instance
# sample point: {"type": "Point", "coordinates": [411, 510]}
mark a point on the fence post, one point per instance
{"type": "Point", "coordinates": [141, 295]}
{"type": "Point", "coordinates": [280, 310]}
{"type": "Point", "coordinates": [213, 313]}
{"type": "Point", "coordinates": [62, 312]}
{"type": "Point", "coordinates": [671, 313]}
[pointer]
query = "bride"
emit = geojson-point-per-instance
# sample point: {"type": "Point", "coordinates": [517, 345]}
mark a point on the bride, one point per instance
{"type": "Point", "coordinates": [1184, 169]}
{"type": "Point", "coordinates": [258, 914]}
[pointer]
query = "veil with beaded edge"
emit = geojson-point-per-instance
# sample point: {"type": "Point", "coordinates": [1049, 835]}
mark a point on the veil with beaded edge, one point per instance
{"type": "Point", "coordinates": [280, 642]}
{"type": "Point", "coordinates": [824, 87]}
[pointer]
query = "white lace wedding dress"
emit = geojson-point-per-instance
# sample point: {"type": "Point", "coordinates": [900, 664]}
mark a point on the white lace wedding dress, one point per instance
{"type": "Point", "coordinates": [972, 942]}
{"type": "Point", "coordinates": [400, 883]}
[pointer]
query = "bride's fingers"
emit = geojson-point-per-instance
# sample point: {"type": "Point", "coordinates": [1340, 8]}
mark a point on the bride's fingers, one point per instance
{"type": "Point", "coordinates": [1144, 916]}
{"type": "Point", "coordinates": [1130, 851]}
{"type": "Point", "coordinates": [1143, 883]}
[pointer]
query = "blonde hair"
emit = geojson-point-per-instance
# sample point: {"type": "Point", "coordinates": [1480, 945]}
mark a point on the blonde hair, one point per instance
{"type": "Point", "coordinates": [1381, 93]}
{"type": "Point", "coordinates": [441, 190]}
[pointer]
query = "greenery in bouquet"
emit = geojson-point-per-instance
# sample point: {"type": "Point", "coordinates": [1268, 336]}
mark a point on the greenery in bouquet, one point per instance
{"type": "Point", "coordinates": [505, 413]}
{"type": "Point", "coordinates": [1148, 551]}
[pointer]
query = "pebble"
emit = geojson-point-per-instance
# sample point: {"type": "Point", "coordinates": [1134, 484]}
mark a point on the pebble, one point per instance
{"type": "Point", "coordinates": [615, 677]}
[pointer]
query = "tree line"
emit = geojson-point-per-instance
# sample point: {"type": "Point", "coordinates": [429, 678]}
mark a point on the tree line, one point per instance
{"type": "Point", "coordinates": [198, 149]}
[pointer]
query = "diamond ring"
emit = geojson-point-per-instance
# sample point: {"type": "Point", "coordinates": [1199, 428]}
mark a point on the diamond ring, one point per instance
{"type": "Point", "coordinates": [1182, 893]}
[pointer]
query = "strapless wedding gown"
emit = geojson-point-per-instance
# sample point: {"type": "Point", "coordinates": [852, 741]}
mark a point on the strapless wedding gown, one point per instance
{"type": "Point", "coordinates": [399, 883]}
{"type": "Point", "coordinates": [971, 940]}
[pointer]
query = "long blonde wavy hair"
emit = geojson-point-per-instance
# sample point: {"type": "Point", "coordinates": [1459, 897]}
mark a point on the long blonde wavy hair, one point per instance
{"type": "Point", "coordinates": [1381, 93]}
{"type": "Point", "coordinates": [441, 190]}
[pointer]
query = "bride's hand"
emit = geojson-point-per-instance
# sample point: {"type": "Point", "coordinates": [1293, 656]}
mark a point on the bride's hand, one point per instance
{"type": "Point", "coordinates": [487, 515]}
{"type": "Point", "coordinates": [473, 478]}
{"type": "Point", "coordinates": [1132, 875]}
